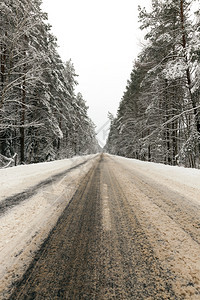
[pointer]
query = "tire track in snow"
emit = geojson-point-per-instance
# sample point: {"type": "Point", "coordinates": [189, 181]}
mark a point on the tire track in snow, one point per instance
{"type": "Point", "coordinates": [10, 202]}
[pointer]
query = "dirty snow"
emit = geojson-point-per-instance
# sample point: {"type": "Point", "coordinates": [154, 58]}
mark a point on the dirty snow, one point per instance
{"type": "Point", "coordinates": [17, 179]}
{"type": "Point", "coordinates": [24, 227]}
{"type": "Point", "coordinates": [166, 202]}
{"type": "Point", "coordinates": [185, 181]}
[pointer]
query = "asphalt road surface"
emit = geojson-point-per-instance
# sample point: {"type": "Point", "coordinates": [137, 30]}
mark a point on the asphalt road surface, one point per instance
{"type": "Point", "coordinates": [120, 237]}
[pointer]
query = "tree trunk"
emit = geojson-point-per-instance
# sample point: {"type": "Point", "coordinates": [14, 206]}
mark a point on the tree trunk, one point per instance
{"type": "Point", "coordinates": [3, 59]}
{"type": "Point", "coordinates": [149, 152]}
{"type": "Point", "coordinates": [22, 130]}
{"type": "Point", "coordinates": [174, 142]}
{"type": "Point", "coordinates": [188, 73]}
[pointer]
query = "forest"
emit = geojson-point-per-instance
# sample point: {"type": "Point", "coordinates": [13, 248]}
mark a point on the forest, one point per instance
{"type": "Point", "coordinates": [42, 118]}
{"type": "Point", "coordinates": [158, 118]}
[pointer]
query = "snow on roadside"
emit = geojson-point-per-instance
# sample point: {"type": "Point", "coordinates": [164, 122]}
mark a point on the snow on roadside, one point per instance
{"type": "Point", "coordinates": [25, 226]}
{"type": "Point", "coordinates": [170, 222]}
{"type": "Point", "coordinates": [17, 179]}
{"type": "Point", "coordinates": [179, 179]}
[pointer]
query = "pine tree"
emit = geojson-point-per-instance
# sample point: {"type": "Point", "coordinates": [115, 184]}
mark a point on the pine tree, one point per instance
{"type": "Point", "coordinates": [38, 104]}
{"type": "Point", "coordinates": [158, 117]}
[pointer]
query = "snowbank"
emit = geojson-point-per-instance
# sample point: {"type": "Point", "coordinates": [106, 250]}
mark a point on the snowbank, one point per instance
{"type": "Point", "coordinates": [17, 179]}
{"type": "Point", "coordinates": [182, 180]}
{"type": "Point", "coordinates": [26, 225]}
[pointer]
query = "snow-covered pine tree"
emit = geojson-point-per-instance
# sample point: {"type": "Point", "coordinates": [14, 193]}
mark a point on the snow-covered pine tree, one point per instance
{"type": "Point", "coordinates": [22, 70]}
{"type": "Point", "coordinates": [165, 128]}
{"type": "Point", "coordinates": [170, 35]}
{"type": "Point", "coordinates": [38, 109]}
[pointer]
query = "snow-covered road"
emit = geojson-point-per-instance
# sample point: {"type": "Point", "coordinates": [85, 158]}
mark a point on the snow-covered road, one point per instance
{"type": "Point", "coordinates": [164, 199]}
{"type": "Point", "coordinates": [185, 181]}
{"type": "Point", "coordinates": [26, 225]}
{"type": "Point", "coordinates": [17, 179]}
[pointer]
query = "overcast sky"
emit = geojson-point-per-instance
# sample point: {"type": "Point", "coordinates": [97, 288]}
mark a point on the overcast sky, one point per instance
{"type": "Point", "coordinates": [102, 37]}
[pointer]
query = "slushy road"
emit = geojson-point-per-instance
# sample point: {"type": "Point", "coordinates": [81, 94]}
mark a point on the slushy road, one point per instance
{"type": "Point", "coordinates": [120, 237]}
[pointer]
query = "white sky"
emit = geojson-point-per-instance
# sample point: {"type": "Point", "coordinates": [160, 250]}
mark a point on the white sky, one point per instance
{"type": "Point", "coordinates": [102, 37]}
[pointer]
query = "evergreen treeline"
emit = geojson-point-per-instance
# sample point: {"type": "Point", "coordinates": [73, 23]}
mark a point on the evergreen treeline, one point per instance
{"type": "Point", "coordinates": [159, 115]}
{"type": "Point", "coordinates": [41, 117]}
